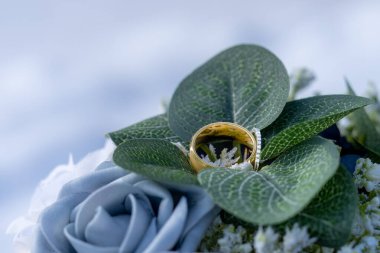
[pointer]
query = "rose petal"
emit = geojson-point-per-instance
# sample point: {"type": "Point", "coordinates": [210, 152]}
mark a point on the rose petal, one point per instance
{"type": "Point", "coordinates": [149, 235]}
{"type": "Point", "coordinates": [192, 239]}
{"type": "Point", "coordinates": [92, 182]}
{"type": "Point", "coordinates": [106, 165]}
{"type": "Point", "coordinates": [41, 245]}
{"type": "Point", "coordinates": [141, 217]}
{"type": "Point", "coordinates": [59, 215]}
{"type": "Point", "coordinates": [116, 209]}
{"type": "Point", "coordinates": [111, 197]}
{"type": "Point", "coordinates": [81, 246]}
{"type": "Point", "coordinates": [199, 203]}
{"type": "Point", "coordinates": [103, 224]}
{"type": "Point", "coordinates": [169, 234]}
{"type": "Point", "coordinates": [165, 205]}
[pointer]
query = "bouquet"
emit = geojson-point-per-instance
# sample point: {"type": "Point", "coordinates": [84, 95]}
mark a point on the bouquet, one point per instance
{"type": "Point", "coordinates": [236, 164]}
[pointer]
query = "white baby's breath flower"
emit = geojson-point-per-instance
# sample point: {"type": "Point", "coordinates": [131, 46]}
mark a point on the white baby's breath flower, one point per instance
{"type": "Point", "coordinates": [373, 213]}
{"type": "Point", "coordinates": [226, 158]}
{"type": "Point", "coordinates": [212, 150]}
{"type": "Point", "coordinates": [374, 173]}
{"type": "Point", "coordinates": [47, 192]}
{"type": "Point", "coordinates": [244, 248]}
{"type": "Point", "coordinates": [296, 239]}
{"type": "Point", "coordinates": [265, 241]}
{"type": "Point", "coordinates": [367, 175]}
{"type": "Point", "coordinates": [347, 249]}
{"type": "Point", "coordinates": [368, 244]}
{"type": "Point", "coordinates": [371, 243]}
{"type": "Point", "coordinates": [367, 221]}
{"type": "Point", "coordinates": [366, 227]}
{"type": "Point", "coordinates": [232, 240]}
{"type": "Point", "coordinates": [327, 250]}
{"type": "Point", "coordinates": [229, 239]}
{"type": "Point", "coordinates": [246, 165]}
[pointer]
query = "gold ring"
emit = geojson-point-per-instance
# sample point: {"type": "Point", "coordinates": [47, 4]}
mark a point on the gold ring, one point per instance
{"type": "Point", "coordinates": [229, 130]}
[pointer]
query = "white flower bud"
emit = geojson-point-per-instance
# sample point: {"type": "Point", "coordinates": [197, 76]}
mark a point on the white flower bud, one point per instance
{"type": "Point", "coordinates": [373, 173]}
{"type": "Point", "coordinates": [265, 240]}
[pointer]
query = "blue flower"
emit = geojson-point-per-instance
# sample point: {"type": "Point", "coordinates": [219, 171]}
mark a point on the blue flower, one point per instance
{"type": "Point", "coordinates": [111, 211]}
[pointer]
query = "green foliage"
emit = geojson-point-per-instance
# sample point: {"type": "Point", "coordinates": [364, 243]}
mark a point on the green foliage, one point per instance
{"type": "Point", "coordinates": [304, 118]}
{"type": "Point", "coordinates": [157, 159]}
{"type": "Point", "coordinates": [300, 80]}
{"type": "Point", "coordinates": [363, 130]}
{"type": "Point", "coordinates": [330, 215]}
{"type": "Point", "coordinates": [277, 192]}
{"type": "Point", "coordinates": [153, 128]}
{"type": "Point", "coordinates": [246, 84]}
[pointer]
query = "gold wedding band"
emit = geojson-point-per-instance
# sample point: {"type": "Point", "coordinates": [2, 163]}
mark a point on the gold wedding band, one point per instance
{"type": "Point", "coordinates": [224, 129]}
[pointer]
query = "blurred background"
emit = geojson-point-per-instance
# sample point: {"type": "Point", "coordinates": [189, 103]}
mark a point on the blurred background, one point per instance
{"type": "Point", "coordinates": [73, 70]}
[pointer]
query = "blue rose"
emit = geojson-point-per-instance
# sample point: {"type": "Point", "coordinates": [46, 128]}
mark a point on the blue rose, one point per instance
{"type": "Point", "coordinates": [113, 211]}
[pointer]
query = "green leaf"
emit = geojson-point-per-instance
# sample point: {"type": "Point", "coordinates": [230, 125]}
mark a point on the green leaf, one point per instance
{"type": "Point", "coordinates": [330, 215]}
{"type": "Point", "coordinates": [153, 128]}
{"type": "Point", "coordinates": [278, 191]}
{"type": "Point", "coordinates": [304, 118]}
{"type": "Point", "coordinates": [246, 84]}
{"type": "Point", "coordinates": [364, 132]}
{"type": "Point", "coordinates": [157, 159]}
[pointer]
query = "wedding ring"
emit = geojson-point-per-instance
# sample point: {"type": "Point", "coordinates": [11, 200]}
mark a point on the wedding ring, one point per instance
{"type": "Point", "coordinates": [252, 140]}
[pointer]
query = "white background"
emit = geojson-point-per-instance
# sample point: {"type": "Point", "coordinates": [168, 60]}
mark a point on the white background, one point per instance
{"type": "Point", "coordinates": [73, 70]}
